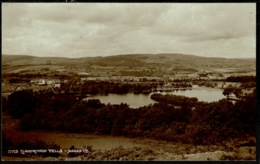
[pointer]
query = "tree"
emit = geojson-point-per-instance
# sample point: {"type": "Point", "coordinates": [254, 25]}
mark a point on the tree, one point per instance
{"type": "Point", "coordinates": [21, 102]}
{"type": "Point", "coordinates": [227, 91]}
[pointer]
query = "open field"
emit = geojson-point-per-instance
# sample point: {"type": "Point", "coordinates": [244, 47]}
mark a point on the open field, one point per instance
{"type": "Point", "coordinates": [134, 149]}
{"type": "Point", "coordinates": [30, 68]}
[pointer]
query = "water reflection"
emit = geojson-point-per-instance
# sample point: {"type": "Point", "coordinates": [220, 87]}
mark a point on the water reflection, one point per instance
{"type": "Point", "coordinates": [133, 100]}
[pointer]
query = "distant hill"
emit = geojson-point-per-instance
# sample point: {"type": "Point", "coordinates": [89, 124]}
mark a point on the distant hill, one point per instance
{"type": "Point", "coordinates": [135, 60]}
{"type": "Point", "coordinates": [30, 60]}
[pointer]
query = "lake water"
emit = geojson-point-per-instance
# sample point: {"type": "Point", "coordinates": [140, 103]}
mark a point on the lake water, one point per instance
{"type": "Point", "coordinates": [133, 100]}
{"type": "Point", "coordinates": [139, 100]}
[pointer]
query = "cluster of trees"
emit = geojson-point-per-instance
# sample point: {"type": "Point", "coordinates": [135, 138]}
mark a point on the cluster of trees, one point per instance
{"type": "Point", "coordinates": [175, 100]}
{"type": "Point", "coordinates": [238, 91]}
{"type": "Point", "coordinates": [19, 103]}
{"type": "Point", "coordinates": [250, 84]}
{"type": "Point", "coordinates": [235, 90]}
{"type": "Point", "coordinates": [206, 83]}
{"type": "Point", "coordinates": [137, 73]}
{"type": "Point", "coordinates": [93, 117]}
{"type": "Point", "coordinates": [95, 87]}
{"type": "Point", "coordinates": [105, 87]}
{"type": "Point", "coordinates": [209, 123]}
{"type": "Point", "coordinates": [240, 78]}
{"type": "Point", "coordinates": [181, 84]}
{"type": "Point", "coordinates": [33, 75]}
{"type": "Point", "coordinates": [24, 102]}
{"type": "Point", "coordinates": [19, 80]}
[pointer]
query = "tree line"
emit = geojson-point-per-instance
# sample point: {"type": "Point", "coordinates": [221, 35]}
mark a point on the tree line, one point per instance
{"type": "Point", "coordinates": [105, 87]}
{"type": "Point", "coordinates": [241, 79]}
{"type": "Point", "coordinates": [175, 100]}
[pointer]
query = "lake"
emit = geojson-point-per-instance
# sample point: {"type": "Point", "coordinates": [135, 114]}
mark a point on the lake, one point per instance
{"type": "Point", "coordinates": [138, 100]}
{"type": "Point", "coordinates": [133, 100]}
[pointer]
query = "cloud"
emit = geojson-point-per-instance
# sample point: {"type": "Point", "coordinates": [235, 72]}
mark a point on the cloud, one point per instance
{"type": "Point", "coordinates": [89, 29]}
{"type": "Point", "coordinates": [209, 20]}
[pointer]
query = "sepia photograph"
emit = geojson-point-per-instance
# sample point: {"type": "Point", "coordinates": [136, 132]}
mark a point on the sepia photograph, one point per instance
{"type": "Point", "coordinates": [128, 82]}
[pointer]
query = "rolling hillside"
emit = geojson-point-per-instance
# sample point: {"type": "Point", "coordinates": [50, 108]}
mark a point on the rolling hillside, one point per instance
{"type": "Point", "coordinates": [135, 60]}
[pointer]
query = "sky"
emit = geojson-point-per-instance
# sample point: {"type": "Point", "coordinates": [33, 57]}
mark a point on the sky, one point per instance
{"type": "Point", "coordinates": [102, 29]}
